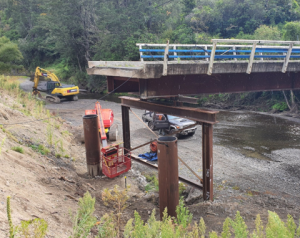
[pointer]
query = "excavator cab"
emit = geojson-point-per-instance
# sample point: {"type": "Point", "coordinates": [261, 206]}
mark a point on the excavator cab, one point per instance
{"type": "Point", "coordinates": [51, 85]}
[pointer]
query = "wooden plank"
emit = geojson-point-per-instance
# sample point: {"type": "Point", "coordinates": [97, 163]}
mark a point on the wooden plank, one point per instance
{"type": "Point", "coordinates": [205, 47]}
{"type": "Point", "coordinates": [165, 68]}
{"type": "Point", "coordinates": [234, 53]}
{"type": "Point", "coordinates": [210, 45]}
{"type": "Point", "coordinates": [141, 53]}
{"type": "Point", "coordinates": [212, 57]}
{"type": "Point", "coordinates": [175, 53]}
{"type": "Point", "coordinates": [254, 41]}
{"type": "Point", "coordinates": [287, 58]}
{"type": "Point", "coordinates": [251, 59]}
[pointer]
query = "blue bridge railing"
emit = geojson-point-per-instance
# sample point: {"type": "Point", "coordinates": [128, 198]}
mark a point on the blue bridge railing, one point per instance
{"type": "Point", "coordinates": [251, 50]}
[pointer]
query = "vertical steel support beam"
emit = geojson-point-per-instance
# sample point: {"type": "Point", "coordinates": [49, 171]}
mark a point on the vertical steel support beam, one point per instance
{"type": "Point", "coordinates": [207, 161]}
{"type": "Point", "coordinates": [167, 155]}
{"type": "Point", "coordinates": [92, 144]}
{"type": "Point", "coordinates": [126, 127]}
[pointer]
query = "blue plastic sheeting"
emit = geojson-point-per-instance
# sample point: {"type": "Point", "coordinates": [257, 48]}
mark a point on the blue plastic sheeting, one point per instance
{"type": "Point", "coordinates": [149, 156]}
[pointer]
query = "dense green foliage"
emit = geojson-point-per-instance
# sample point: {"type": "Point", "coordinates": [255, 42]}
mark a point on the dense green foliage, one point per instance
{"type": "Point", "coordinates": [64, 35]}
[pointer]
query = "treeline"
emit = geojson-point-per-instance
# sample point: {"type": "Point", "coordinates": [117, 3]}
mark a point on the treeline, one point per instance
{"type": "Point", "coordinates": [65, 34]}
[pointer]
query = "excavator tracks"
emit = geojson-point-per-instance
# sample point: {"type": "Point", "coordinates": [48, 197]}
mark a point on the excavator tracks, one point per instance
{"type": "Point", "coordinates": [53, 99]}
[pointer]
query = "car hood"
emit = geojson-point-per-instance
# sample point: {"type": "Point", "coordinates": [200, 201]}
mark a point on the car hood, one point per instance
{"type": "Point", "coordinates": [182, 122]}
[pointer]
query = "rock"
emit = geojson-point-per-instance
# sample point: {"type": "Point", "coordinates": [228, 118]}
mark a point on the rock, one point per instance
{"type": "Point", "coordinates": [141, 182]}
{"type": "Point", "coordinates": [249, 148]}
{"type": "Point", "coordinates": [152, 197]}
{"type": "Point", "coordinates": [195, 195]}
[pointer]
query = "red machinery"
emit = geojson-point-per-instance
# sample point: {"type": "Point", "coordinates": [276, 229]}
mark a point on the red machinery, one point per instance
{"type": "Point", "coordinates": [106, 127]}
{"type": "Point", "coordinates": [115, 159]}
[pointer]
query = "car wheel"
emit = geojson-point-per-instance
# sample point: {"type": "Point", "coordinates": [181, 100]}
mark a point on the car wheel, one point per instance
{"type": "Point", "coordinates": [173, 131]}
{"type": "Point", "coordinates": [191, 134]}
{"type": "Point", "coordinates": [151, 125]}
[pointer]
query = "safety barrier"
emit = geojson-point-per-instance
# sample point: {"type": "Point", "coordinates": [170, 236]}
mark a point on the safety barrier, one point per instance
{"type": "Point", "coordinates": [282, 51]}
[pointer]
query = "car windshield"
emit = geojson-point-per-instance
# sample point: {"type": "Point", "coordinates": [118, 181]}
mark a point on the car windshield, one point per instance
{"type": "Point", "coordinates": [173, 117]}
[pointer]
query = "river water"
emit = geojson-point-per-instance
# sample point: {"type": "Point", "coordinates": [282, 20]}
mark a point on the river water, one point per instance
{"type": "Point", "coordinates": [257, 135]}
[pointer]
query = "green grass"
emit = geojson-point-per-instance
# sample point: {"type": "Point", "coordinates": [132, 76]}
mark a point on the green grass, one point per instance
{"type": "Point", "coordinates": [41, 149]}
{"type": "Point", "coordinates": [18, 149]}
{"type": "Point", "coordinates": [152, 183]}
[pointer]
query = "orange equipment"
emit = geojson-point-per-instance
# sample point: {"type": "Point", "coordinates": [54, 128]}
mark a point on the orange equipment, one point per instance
{"type": "Point", "coordinates": [153, 146]}
{"type": "Point", "coordinates": [105, 121]}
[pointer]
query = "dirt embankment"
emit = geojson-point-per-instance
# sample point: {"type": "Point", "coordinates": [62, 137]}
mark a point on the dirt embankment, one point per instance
{"type": "Point", "coordinates": [44, 180]}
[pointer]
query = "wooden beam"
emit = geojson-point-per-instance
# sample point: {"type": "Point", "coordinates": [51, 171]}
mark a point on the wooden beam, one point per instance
{"type": "Point", "coordinates": [251, 58]}
{"type": "Point", "coordinates": [212, 57]}
{"type": "Point", "coordinates": [287, 58]}
{"type": "Point", "coordinates": [254, 41]}
{"type": "Point", "coordinates": [165, 68]}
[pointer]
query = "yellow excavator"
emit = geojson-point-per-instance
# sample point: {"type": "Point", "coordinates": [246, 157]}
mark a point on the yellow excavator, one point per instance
{"type": "Point", "coordinates": [54, 88]}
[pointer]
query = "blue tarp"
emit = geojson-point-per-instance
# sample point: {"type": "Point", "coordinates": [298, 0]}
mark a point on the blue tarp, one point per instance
{"type": "Point", "coordinates": [149, 156]}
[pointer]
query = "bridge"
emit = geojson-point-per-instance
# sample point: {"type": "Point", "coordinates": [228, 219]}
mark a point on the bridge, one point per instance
{"type": "Point", "coordinates": [173, 70]}
{"type": "Point", "coordinates": [226, 66]}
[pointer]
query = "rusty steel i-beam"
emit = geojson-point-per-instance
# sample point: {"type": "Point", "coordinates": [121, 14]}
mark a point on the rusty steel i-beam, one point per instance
{"type": "Point", "coordinates": [195, 114]}
{"type": "Point", "coordinates": [205, 117]}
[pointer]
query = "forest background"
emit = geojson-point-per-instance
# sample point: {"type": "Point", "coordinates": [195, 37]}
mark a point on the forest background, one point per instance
{"type": "Point", "coordinates": [63, 35]}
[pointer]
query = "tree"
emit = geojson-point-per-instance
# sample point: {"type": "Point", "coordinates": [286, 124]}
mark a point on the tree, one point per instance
{"type": "Point", "coordinates": [10, 55]}
{"type": "Point", "coordinates": [291, 31]}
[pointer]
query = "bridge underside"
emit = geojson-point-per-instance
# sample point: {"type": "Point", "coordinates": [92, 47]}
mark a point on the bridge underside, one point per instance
{"type": "Point", "coordinates": [174, 85]}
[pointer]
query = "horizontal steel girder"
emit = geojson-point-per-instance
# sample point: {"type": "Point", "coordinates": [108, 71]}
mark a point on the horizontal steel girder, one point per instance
{"type": "Point", "coordinates": [217, 83]}
{"type": "Point", "coordinates": [204, 84]}
{"type": "Point", "coordinates": [195, 114]}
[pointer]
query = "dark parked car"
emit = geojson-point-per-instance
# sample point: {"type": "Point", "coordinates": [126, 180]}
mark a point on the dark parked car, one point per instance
{"type": "Point", "coordinates": [169, 124]}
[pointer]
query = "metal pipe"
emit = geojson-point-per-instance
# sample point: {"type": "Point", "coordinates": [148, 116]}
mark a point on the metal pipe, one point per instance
{"type": "Point", "coordinates": [92, 144]}
{"type": "Point", "coordinates": [167, 154]}
{"type": "Point", "coordinates": [207, 161]}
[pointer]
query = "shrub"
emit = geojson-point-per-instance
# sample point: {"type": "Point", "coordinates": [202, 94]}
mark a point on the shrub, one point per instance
{"type": "Point", "coordinates": [32, 228]}
{"type": "Point", "coordinates": [18, 149]}
{"type": "Point", "coordinates": [281, 106]}
{"type": "Point", "coordinates": [84, 219]}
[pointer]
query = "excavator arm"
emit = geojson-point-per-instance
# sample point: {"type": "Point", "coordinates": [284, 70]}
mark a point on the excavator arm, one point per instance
{"type": "Point", "coordinates": [43, 72]}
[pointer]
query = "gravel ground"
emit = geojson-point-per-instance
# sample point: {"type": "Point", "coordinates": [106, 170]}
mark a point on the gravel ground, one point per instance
{"type": "Point", "coordinates": [279, 174]}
